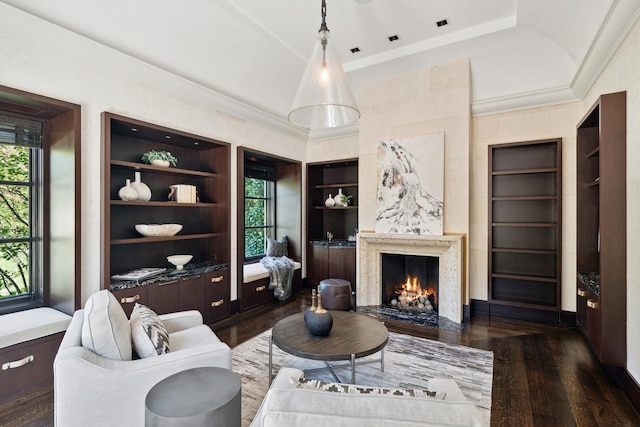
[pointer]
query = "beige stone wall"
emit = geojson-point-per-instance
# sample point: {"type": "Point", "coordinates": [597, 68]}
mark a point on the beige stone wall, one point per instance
{"type": "Point", "coordinates": [417, 103]}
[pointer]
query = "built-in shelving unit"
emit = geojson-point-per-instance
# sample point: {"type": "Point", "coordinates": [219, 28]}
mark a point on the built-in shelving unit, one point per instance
{"type": "Point", "coordinates": [601, 228]}
{"type": "Point", "coordinates": [324, 179]}
{"type": "Point", "coordinates": [203, 163]}
{"type": "Point", "coordinates": [336, 259]}
{"type": "Point", "coordinates": [525, 181]}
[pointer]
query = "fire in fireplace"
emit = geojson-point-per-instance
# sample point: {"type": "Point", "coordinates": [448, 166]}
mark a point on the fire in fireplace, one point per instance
{"type": "Point", "coordinates": [410, 282]}
{"type": "Point", "coordinates": [412, 295]}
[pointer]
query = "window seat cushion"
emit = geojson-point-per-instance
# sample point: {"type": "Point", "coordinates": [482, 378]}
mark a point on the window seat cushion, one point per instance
{"type": "Point", "coordinates": [31, 324]}
{"type": "Point", "coordinates": [256, 271]}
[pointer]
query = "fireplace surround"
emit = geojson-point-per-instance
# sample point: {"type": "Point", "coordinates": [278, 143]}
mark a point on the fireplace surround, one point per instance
{"type": "Point", "coordinates": [448, 248]}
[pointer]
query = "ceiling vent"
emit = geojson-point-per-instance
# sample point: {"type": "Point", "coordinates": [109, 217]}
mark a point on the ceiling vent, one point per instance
{"type": "Point", "coordinates": [355, 50]}
{"type": "Point", "coordinates": [442, 23]}
{"type": "Point", "coordinates": [393, 38]}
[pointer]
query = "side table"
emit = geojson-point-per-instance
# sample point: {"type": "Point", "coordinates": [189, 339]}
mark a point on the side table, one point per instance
{"type": "Point", "coordinates": [206, 396]}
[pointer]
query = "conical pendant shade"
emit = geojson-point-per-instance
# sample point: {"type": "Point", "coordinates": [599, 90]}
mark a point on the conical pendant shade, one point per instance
{"type": "Point", "coordinates": [324, 99]}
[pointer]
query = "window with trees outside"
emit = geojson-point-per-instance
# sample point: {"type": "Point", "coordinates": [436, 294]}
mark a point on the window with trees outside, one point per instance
{"type": "Point", "coordinates": [21, 211]}
{"type": "Point", "coordinates": [258, 210]}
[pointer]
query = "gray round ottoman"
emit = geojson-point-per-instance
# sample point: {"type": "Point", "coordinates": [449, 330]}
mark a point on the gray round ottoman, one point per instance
{"type": "Point", "coordinates": [336, 294]}
{"type": "Point", "coordinates": [195, 397]}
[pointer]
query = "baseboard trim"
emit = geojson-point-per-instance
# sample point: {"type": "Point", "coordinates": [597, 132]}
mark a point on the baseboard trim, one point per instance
{"type": "Point", "coordinates": [627, 383]}
{"type": "Point", "coordinates": [565, 318]}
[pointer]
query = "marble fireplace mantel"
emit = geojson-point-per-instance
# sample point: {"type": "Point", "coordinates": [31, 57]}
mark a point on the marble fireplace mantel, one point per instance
{"type": "Point", "coordinates": [448, 248]}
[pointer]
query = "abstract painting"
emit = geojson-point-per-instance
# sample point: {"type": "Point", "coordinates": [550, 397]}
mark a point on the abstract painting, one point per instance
{"type": "Point", "coordinates": [410, 196]}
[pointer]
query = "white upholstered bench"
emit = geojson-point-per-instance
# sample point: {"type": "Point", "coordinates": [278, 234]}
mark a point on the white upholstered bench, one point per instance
{"type": "Point", "coordinates": [255, 284]}
{"type": "Point", "coordinates": [256, 271]}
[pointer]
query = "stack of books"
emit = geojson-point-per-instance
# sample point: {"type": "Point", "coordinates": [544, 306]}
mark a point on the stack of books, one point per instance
{"type": "Point", "coordinates": [183, 193]}
{"type": "Point", "coordinates": [139, 274]}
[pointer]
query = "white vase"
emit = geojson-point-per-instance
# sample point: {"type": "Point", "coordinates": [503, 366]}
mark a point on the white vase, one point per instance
{"type": "Point", "coordinates": [144, 192]}
{"type": "Point", "coordinates": [340, 199]}
{"type": "Point", "coordinates": [128, 192]}
{"type": "Point", "coordinates": [330, 202]}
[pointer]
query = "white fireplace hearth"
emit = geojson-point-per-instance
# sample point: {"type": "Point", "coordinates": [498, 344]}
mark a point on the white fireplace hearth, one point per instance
{"type": "Point", "coordinates": [448, 249]}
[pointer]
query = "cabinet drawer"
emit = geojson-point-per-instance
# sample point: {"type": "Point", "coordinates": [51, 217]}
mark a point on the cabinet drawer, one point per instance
{"type": "Point", "coordinates": [256, 293]}
{"type": "Point", "coordinates": [32, 365]}
{"type": "Point", "coordinates": [129, 297]}
{"type": "Point", "coordinates": [217, 296]}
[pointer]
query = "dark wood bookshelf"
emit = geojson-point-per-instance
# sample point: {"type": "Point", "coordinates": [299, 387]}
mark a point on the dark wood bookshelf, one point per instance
{"type": "Point", "coordinates": [601, 299]}
{"type": "Point", "coordinates": [202, 162]}
{"type": "Point", "coordinates": [525, 199]}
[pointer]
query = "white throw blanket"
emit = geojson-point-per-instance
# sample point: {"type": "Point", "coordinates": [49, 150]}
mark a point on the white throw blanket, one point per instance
{"type": "Point", "coordinates": [281, 275]}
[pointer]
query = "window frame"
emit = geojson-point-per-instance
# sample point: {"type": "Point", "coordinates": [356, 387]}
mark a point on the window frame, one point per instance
{"type": "Point", "coordinates": [37, 189]}
{"type": "Point", "coordinates": [266, 174]}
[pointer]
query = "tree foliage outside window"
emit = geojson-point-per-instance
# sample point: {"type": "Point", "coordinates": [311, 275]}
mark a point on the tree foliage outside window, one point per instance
{"type": "Point", "coordinates": [257, 193]}
{"type": "Point", "coordinates": [15, 227]}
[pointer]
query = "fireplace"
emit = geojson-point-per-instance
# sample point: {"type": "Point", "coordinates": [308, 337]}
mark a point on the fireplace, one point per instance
{"type": "Point", "coordinates": [410, 282]}
{"type": "Point", "coordinates": [448, 250]}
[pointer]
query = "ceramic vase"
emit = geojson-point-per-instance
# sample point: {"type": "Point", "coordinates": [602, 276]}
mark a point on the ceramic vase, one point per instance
{"type": "Point", "coordinates": [330, 202]}
{"type": "Point", "coordinates": [160, 163]}
{"type": "Point", "coordinates": [144, 193]}
{"type": "Point", "coordinates": [340, 200]}
{"type": "Point", "coordinates": [319, 321]}
{"type": "Point", "coordinates": [127, 192]}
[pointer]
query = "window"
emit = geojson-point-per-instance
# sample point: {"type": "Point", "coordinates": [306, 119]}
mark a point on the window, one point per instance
{"type": "Point", "coordinates": [259, 215]}
{"type": "Point", "coordinates": [21, 211]}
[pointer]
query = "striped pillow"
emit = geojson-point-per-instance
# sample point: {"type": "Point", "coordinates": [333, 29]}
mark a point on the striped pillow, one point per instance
{"type": "Point", "coordinates": [150, 337]}
{"type": "Point", "coordinates": [308, 384]}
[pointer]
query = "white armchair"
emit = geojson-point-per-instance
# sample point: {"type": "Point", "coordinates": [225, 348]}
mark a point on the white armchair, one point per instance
{"type": "Point", "coordinates": [90, 390]}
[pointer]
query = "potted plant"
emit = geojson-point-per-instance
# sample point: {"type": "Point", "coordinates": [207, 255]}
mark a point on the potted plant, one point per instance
{"type": "Point", "coordinates": [159, 158]}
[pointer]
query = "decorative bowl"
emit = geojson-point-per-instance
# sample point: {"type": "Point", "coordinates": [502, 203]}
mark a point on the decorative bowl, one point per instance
{"type": "Point", "coordinates": [179, 260]}
{"type": "Point", "coordinates": [154, 230]}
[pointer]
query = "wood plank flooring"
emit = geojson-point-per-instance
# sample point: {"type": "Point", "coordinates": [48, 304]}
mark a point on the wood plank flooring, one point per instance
{"type": "Point", "coordinates": [543, 375]}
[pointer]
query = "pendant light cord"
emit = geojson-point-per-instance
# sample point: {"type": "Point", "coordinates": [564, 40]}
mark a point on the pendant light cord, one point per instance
{"type": "Point", "coordinates": [323, 12]}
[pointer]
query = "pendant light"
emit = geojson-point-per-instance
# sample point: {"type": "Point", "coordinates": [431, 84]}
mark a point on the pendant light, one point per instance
{"type": "Point", "coordinates": [324, 99]}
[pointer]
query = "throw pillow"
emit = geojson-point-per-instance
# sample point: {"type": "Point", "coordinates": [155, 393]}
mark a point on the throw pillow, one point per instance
{"type": "Point", "coordinates": [150, 337]}
{"type": "Point", "coordinates": [277, 247]}
{"type": "Point", "coordinates": [106, 330]}
{"type": "Point", "coordinates": [309, 384]}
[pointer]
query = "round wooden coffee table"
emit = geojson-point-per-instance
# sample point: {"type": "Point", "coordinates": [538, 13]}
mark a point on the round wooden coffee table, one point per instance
{"type": "Point", "coordinates": [352, 336]}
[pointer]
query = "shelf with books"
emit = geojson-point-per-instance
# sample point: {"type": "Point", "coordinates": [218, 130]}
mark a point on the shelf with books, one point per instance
{"type": "Point", "coordinates": [203, 175]}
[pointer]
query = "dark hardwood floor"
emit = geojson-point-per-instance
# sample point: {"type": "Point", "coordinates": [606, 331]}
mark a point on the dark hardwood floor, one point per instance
{"type": "Point", "coordinates": [543, 375]}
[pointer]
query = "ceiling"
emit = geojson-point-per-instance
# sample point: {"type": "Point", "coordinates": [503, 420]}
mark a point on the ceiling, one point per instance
{"type": "Point", "coordinates": [252, 53]}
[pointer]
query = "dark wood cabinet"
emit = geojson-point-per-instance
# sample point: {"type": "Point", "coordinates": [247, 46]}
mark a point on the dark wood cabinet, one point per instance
{"type": "Point", "coordinates": [203, 163]}
{"type": "Point", "coordinates": [317, 264]}
{"type": "Point", "coordinates": [129, 297]}
{"type": "Point", "coordinates": [325, 261]}
{"type": "Point", "coordinates": [525, 212]}
{"type": "Point", "coordinates": [601, 228]}
{"type": "Point", "coordinates": [192, 293]}
{"type": "Point", "coordinates": [217, 295]}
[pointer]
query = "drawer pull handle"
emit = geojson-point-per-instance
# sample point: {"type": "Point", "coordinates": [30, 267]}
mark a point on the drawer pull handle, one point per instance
{"type": "Point", "coordinates": [217, 303]}
{"type": "Point", "coordinates": [217, 279]}
{"type": "Point", "coordinates": [261, 288]}
{"type": "Point", "coordinates": [592, 304]}
{"type": "Point", "coordinates": [129, 300]}
{"type": "Point", "coordinates": [581, 292]}
{"type": "Point", "coordinates": [18, 363]}
{"type": "Point", "coordinates": [192, 277]}
{"type": "Point", "coordinates": [168, 283]}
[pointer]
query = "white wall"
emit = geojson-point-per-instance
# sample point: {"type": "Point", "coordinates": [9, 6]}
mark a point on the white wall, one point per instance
{"type": "Point", "coordinates": [621, 74]}
{"type": "Point", "coordinates": [40, 58]}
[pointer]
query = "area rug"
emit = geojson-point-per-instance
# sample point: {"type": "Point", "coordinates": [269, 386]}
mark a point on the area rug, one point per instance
{"type": "Point", "coordinates": [408, 363]}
